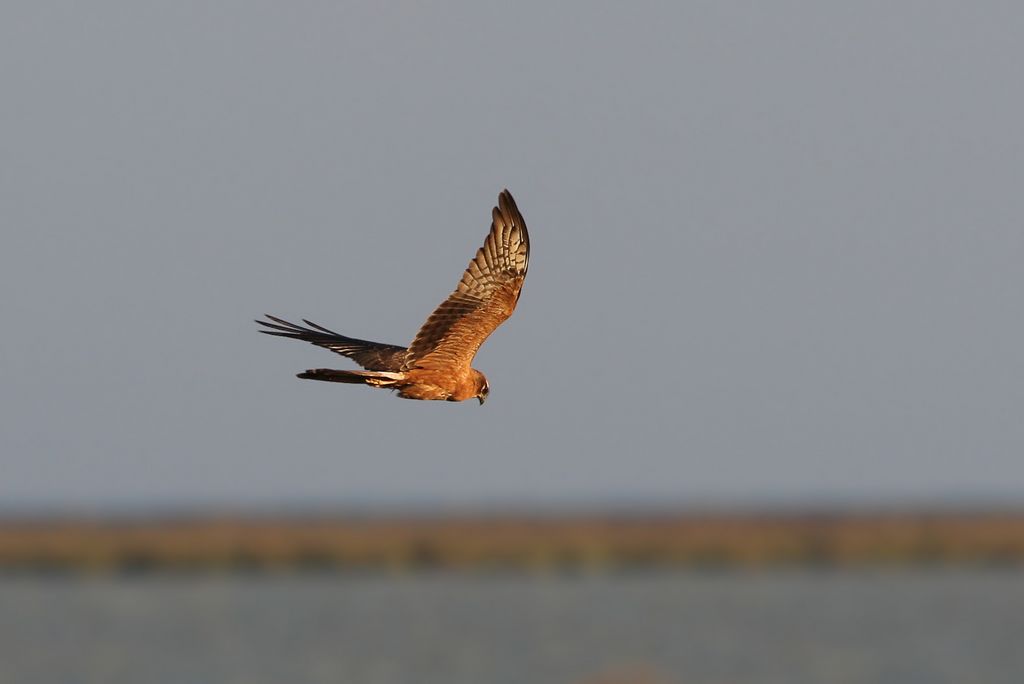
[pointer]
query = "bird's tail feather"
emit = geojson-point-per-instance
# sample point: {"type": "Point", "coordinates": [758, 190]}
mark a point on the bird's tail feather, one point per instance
{"type": "Point", "coordinates": [372, 378]}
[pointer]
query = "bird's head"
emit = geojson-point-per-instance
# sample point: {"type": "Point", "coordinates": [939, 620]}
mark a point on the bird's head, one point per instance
{"type": "Point", "coordinates": [482, 390]}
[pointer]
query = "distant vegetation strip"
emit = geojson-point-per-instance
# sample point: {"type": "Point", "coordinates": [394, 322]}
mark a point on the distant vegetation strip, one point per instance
{"type": "Point", "coordinates": [573, 543]}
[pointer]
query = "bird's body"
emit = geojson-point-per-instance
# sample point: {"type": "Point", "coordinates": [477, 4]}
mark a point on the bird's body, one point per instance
{"type": "Point", "coordinates": [437, 365]}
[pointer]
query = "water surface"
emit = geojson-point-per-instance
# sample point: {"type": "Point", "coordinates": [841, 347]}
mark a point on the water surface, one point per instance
{"type": "Point", "coordinates": [785, 627]}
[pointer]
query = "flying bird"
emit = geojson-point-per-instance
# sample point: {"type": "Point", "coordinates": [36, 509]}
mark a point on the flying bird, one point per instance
{"type": "Point", "coordinates": [437, 365]}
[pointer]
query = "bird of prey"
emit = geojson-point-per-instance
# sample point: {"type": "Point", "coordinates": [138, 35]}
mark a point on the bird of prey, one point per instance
{"type": "Point", "coordinates": [437, 363]}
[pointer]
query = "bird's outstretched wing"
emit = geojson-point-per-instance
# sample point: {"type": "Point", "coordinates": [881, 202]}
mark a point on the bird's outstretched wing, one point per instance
{"type": "Point", "coordinates": [370, 355]}
{"type": "Point", "coordinates": [485, 297]}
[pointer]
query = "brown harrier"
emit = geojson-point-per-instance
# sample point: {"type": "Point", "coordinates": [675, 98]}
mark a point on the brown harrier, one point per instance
{"type": "Point", "coordinates": [437, 363]}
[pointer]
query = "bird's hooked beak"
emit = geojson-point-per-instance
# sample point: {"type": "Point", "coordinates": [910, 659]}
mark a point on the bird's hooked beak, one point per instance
{"type": "Point", "coordinates": [482, 398]}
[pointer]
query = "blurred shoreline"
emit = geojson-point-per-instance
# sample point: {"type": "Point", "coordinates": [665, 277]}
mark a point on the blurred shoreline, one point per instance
{"type": "Point", "coordinates": [497, 541]}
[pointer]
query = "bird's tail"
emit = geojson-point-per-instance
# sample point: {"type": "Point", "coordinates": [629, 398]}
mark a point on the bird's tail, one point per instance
{"type": "Point", "coordinates": [372, 378]}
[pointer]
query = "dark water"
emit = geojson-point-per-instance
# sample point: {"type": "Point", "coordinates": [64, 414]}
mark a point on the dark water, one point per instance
{"type": "Point", "coordinates": [785, 628]}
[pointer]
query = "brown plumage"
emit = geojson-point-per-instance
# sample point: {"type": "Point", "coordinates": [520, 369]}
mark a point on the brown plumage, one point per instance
{"type": "Point", "coordinates": [437, 365]}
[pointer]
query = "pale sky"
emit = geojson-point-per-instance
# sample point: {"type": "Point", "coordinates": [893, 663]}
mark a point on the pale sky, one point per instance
{"type": "Point", "coordinates": [778, 250]}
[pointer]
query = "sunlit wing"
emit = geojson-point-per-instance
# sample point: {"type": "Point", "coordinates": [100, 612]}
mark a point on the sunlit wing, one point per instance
{"type": "Point", "coordinates": [485, 297]}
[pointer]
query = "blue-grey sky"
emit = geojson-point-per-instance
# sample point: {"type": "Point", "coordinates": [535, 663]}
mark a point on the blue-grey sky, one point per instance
{"type": "Point", "coordinates": [777, 250]}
